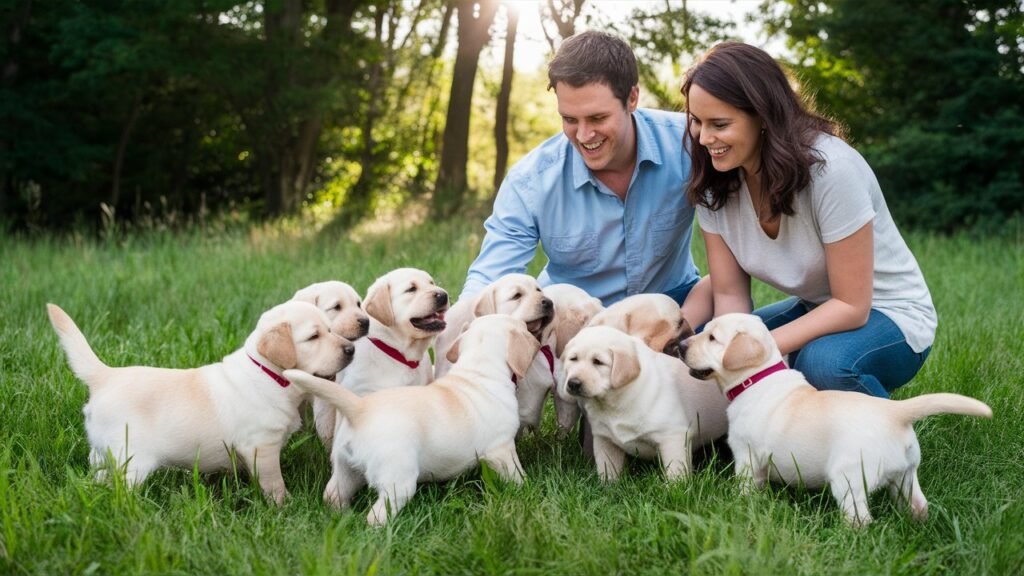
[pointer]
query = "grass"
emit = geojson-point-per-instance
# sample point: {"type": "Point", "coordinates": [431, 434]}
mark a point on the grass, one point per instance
{"type": "Point", "coordinates": [185, 299]}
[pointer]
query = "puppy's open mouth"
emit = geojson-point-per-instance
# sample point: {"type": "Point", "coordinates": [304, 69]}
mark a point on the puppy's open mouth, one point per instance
{"type": "Point", "coordinates": [702, 373]}
{"type": "Point", "coordinates": [536, 327]}
{"type": "Point", "coordinates": [432, 323]}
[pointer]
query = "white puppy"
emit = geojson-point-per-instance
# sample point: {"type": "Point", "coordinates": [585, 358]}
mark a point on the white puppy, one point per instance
{"type": "Point", "coordinates": [654, 318]}
{"type": "Point", "coordinates": [394, 438]}
{"type": "Point", "coordinates": [147, 418]}
{"type": "Point", "coordinates": [639, 402]}
{"type": "Point", "coordinates": [519, 296]}
{"type": "Point", "coordinates": [407, 312]}
{"type": "Point", "coordinates": [342, 305]}
{"type": "Point", "coordinates": [782, 428]}
{"type": "Point", "coordinates": [573, 310]}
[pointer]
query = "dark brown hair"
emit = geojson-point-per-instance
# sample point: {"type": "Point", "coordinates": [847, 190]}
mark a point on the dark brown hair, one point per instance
{"type": "Point", "coordinates": [595, 57]}
{"type": "Point", "coordinates": [749, 79]}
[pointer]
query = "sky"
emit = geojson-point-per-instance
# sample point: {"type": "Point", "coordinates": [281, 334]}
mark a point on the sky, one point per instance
{"type": "Point", "coordinates": [531, 47]}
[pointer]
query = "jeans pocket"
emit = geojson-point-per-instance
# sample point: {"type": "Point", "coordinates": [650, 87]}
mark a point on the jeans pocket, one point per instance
{"type": "Point", "coordinates": [573, 254]}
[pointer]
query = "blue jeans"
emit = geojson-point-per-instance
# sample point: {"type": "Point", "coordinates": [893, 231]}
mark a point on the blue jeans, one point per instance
{"type": "Point", "coordinates": [679, 293]}
{"type": "Point", "coordinates": [874, 359]}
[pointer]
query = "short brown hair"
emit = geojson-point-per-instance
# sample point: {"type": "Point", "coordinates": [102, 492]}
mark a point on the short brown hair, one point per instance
{"type": "Point", "coordinates": [747, 78]}
{"type": "Point", "coordinates": [595, 57]}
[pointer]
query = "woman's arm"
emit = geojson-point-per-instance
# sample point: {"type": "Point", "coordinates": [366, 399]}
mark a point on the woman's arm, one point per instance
{"type": "Point", "coordinates": [850, 263]}
{"type": "Point", "coordinates": [730, 284]}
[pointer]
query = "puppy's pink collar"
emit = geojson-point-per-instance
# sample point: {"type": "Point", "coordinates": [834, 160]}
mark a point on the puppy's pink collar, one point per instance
{"type": "Point", "coordinates": [548, 355]}
{"type": "Point", "coordinates": [281, 380]}
{"type": "Point", "coordinates": [735, 391]}
{"type": "Point", "coordinates": [393, 353]}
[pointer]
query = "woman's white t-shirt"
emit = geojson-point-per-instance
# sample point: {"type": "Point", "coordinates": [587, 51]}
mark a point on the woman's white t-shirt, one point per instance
{"type": "Point", "coordinates": [843, 196]}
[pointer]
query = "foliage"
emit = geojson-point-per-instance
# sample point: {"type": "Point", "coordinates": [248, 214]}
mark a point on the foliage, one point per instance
{"type": "Point", "coordinates": [932, 93]}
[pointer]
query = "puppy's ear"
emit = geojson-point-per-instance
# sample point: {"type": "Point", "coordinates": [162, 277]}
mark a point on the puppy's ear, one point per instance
{"type": "Point", "coordinates": [453, 353]}
{"type": "Point", "coordinates": [486, 303]}
{"type": "Point", "coordinates": [378, 304]}
{"type": "Point", "coordinates": [625, 366]}
{"type": "Point", "coordinates": [567, 325]}
{"type": "Point", "coordinates": [660, 335]}
{"type": "Point", "coordinates": [522, 347]}
{"type": "Point", "coordinates": [744, 351]}
{"type": "Point", "coordinates": [276, 346]}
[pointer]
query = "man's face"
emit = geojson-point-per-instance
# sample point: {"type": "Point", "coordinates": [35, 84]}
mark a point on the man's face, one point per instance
{"type": "Point", "coordinates": [598, 125]}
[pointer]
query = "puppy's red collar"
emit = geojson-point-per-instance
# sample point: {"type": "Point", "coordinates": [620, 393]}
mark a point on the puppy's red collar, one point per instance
{"type": "Point", "coordinates": [395, 354]}
{"type": "Point", "coordinates": [281, 380]}
{"type": "Point", "coordinates": [735, 391]}
{"type": "Point", "coordinates": [548, 355]}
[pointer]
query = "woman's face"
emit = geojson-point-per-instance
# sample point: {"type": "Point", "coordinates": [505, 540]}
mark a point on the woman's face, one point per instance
{"type": "Point", "coordinates": [731, 136]}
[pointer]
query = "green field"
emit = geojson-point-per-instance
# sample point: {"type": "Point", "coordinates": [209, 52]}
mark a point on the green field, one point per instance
{"type": "Point", "coordinates": [185, 299]}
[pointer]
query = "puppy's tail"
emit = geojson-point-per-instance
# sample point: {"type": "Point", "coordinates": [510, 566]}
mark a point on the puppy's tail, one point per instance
{"type": "Point", "coordinates": [916, 408]}
{"type": "Point", "coordinates": [83, 361]}
{"type": "Point", "coordinates": [331, 392]}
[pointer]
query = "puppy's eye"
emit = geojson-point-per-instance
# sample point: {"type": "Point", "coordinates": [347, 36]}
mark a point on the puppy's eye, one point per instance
{"type": "Point", "coordinates": [598, 362]}
{"type": "Point", "coordinates": [313, 337]}
{"type": "Point", "coordinates": [573, 358]}
{"type": "Point", "coordinates": [337, 306]}
{"type": "Point", "coordinates": [410, 290]}
{"type": "Point", "coordinates": [711, 338]}
{"type": "Point", "coordinates": [517, 296]}
{"type": "Point", "coordinates": [359, 304]}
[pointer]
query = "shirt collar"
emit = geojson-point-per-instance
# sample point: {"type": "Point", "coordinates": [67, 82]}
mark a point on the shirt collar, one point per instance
{"type": "Point", "coordinates": [646, 151]}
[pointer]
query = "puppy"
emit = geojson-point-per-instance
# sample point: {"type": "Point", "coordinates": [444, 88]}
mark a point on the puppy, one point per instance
{"type": "Point", "coordinates": [573, 309]}
{"type": "Point", "coordinates": [639, 401]}
{"type": "Point", "coordinates": [407, 312]}
{"type": "Point", "coordinates": [782, 428]}
{"type": "Point", "coordinates": [519, 296]}
{"type": "Point", "coordinates": [654, 318]}
{"type": "Point", "coordinates": [147, 418]}
{"type": "Point", "coordinates": [394, 438]}
{"type": "Point", "coordinates": [342, 305]}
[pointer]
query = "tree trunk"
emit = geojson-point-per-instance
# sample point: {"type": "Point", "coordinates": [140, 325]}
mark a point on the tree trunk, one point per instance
{"type": "Point", "coordinates": [475, 18]}
{"type": "Point", "coordinates": [504, 96]}
{"type": "Point", "coordinates": [122, 148]}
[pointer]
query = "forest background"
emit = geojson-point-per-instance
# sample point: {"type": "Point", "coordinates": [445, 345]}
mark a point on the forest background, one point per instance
{"type": "Point", "coordinates": [116, 113]}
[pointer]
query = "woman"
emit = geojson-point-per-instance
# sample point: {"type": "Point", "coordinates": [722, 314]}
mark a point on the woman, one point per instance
{"type": "Point", "coordinates": [782, 198]}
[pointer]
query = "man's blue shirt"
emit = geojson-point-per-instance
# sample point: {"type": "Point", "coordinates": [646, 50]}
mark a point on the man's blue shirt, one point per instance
{"type": "Point", "coordinates": [608, 247]}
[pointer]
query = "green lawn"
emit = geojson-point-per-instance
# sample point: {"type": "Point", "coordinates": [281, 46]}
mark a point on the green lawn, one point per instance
{"type": "Point", "coordinates": [182, 300]}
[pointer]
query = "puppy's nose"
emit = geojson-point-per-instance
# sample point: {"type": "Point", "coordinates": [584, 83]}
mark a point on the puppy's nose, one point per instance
{"type": "Point", "coordinates": [348, 350]}
{"type": "Point", "coordinates": [546, 305]}
{"type": "Point", "coordinates": [574, 385]}
{"type": "Point", "coordinates": [441, 298]}
{"type": "Point", "coordinates": [364, 325]}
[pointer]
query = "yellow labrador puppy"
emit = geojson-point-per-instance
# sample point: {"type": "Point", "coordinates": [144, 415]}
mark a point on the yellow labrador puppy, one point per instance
{"type": "Point", "coordinates": [573, 310]}
{"type": "Point", "coordinates": [394, 438]}
{"type": "Point", "coordinates": [654, 318]}
{"type": "Point", "coordinates": [639, 402]}
{"type": "Point", "coordinates": [407, 312]}
{"type": "Point", "coordinates": [147, 418]}
{"type": "Point", "coordinates": [342, 305]}
{"type": "Point", "coordinates": [782, 428]}
{"type": "Point", "coordinates": [519, 296]}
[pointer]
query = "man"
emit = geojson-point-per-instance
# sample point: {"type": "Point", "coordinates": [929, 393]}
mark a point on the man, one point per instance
{"type": "Point", "coordinates": [606, 198]}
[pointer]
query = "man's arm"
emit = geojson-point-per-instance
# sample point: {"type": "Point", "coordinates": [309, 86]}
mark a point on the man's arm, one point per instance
{"type": "Point", "coordinates": [509, 244]}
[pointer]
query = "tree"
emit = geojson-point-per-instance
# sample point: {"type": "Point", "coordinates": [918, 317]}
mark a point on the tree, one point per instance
{"type": "Point", "coordinates": [933, 107]}
{"type": "Point", "coordinates": [475, 18]}
{"type": "Point", "coordinates": [504, 96]}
